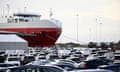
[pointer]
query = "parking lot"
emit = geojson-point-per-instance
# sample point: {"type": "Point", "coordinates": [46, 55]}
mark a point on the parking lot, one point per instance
{"type": "Point", "coordinates": [61, 60]}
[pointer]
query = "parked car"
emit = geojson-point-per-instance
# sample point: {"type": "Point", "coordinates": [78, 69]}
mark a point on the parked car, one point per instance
{"type": "Point", "coordinates": [5, 66]}
{"type": "Point", "coordinates": [40, 57]}
{"type": "Point", "coordinates": [94, 63]}
{"type": "Point", "coordinates": [39, 62]}
{"type": "Point", "coordinates": [66, 66]}
{"type": "Point", "coordinates": [76, 59]}
{"type": "Point", "coordinates": [117, 55]}
{"type": "Point", "coordinates": [92, 70]}
{"type": "Point", "coordinates": [113, 67]}
{"type": "Point", "coordinates": [13, 60]}
{"type": "Point", "coordinates": [63, 61]}
{"type": "Point", "coordinates": [28, 59]}
{"type": "Point", "coordinates": [36, 68]}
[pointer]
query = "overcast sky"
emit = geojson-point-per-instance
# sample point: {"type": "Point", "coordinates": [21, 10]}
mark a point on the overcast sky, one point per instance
{"type": "Point", "coordinates": [97, 20]}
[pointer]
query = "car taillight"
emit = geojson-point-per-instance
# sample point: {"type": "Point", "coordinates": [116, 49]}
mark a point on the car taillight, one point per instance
{"type": "Point", "coordinates": [85, 66]}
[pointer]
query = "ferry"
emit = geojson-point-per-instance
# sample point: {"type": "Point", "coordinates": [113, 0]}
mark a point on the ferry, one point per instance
{"type": "Point", "coordinates": [36, 31]}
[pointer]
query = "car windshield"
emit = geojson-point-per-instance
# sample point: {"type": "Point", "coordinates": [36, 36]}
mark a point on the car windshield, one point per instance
{"type": "Point", "coordinates": [6, 65]}
{"type": "Point", "coordinates": [13, 59]}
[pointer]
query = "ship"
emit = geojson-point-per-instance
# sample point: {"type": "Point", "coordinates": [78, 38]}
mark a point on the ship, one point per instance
{"type": "Point", "coordinates": [29, 26]}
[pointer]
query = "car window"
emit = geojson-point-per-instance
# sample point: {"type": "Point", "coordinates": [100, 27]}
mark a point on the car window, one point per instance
{"type": "Point", "coordinates": [68, 68]}
{"type": "Point", "coordinates": [52, 69]}
{"type": "Point", "coordinates": [3, 65]}
{"type": "Point", "coordinates": [27, 70]}
{"type": "Point", "coordinates": [13, 59]}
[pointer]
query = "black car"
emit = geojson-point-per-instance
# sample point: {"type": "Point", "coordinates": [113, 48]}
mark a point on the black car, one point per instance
{"type": "Point", "coordinates": [94, 63]}
{"type": "Point", "coordinates": [5, 66]}
{"type": "Point", "coordinates": [35, 68]}
{"type": "Point", "coordinates": [113, 67]}
{"type": "Point", "coordinates": [27, 59]}
{"type": "Point", "coordinates": [66, 66]}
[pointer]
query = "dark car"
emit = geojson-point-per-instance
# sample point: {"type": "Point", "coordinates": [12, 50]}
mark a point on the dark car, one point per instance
{"type": "Point", "coordinates": [36, 68]}
{"type": "Point", "coordinates": [76, 59]}
{"type": "Point", "coordinates": [117, 55]}
{"type": "Point", "coordinates": [94, 63]}
{"type": "Point", "coordinates": [113, 67]}
{"type": "Point", "coordinates": [5, 66]}
{"type": "Point", "coordinates": [27, 59]}
{"type": "Point", "coordinates": [66, 66]}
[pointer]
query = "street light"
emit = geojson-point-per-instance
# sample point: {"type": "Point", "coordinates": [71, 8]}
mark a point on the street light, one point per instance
{"type": "Point", "coordinates": [8, 8]}
{"type": "Point", "coordinates": [77, 22]}
{"type": "Point", "coordinates": [100, 29]}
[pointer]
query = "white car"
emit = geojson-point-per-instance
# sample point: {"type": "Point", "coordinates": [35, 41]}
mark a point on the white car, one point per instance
{"type": "Point", "coordinates": [39, 62]}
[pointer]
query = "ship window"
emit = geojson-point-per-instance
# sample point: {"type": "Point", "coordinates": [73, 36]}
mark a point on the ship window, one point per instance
{"type": "Point", "coordinates": [10, 16]}
{"type": "Point", "coordinates": [5, 16]}
{"type": "Point", "coordinates": [16, 20]}
{"type": "Point", "coordinates": [33, 32]}
{"type": "Point", "coordinates": [21, 20]}
{"type": "Point", "coordinates": [9, 21]}
{"type": "Point", "coordinates": [26, 20]}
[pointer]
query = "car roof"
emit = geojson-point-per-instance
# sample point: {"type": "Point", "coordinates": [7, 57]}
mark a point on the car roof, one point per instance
{"type": "Point", "coordinates": [35, 66]}
{"type": "Point", "coordinates": [93, 70]}
{"type": "Point", "coordinates": [112, 65]}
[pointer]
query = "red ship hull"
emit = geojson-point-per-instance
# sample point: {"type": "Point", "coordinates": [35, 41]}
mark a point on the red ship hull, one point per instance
{"type": "Point", "coordinates": [43, 36]}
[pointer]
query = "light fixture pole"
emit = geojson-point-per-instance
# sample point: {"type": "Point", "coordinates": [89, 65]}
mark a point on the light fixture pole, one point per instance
{"type": "Point", "coordinates": [77, 24]}
{"type": "Point", "coordinates": [8, 8]}
{"type": "Point", "coordinates": [100, 31]}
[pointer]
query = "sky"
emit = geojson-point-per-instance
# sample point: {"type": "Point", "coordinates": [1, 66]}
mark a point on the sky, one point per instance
{"type": "Point", "coordinates": [82, 20]}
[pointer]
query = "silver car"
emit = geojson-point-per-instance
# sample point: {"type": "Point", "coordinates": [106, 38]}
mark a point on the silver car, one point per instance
{"type": "Point", "coordinates": [91, 70]}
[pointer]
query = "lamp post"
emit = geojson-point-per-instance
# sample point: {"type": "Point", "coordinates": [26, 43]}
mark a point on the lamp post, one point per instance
{"type": "Point", "coordinates": [8, 8]}
{"type": "Point", "coordinates": [77, 26]}
{"type": "Point", "coordinates": [25, 9]}
{"type": "Point", "coordinates": [100, 31]}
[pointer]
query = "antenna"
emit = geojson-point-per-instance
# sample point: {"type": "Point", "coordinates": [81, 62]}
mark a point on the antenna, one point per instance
{"type": "Point", "coordinates": [51, 13]}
